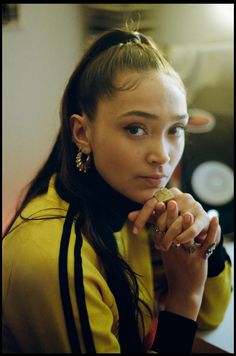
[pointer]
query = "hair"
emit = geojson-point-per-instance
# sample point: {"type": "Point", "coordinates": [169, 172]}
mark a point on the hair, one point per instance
{"type": "Point", "coordinates": [93, 79]}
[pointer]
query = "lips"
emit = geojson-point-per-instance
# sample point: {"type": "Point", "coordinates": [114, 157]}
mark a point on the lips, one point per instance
{"type": "Point", "coordinates": [156, 176]}
{"type": "Point", "coordinates": [155, 180]}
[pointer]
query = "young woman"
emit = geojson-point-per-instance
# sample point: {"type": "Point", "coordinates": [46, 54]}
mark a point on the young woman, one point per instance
{"type": "Point", "coordinates": [98, 239]}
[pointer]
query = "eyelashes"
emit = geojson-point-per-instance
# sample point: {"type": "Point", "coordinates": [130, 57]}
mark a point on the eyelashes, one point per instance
{"type": "Point", "coordinates": [135, 130]}
{"type": "Point", "coordinates": [178, 130]}
{"type": "Point", "coordinates": [138, 130]}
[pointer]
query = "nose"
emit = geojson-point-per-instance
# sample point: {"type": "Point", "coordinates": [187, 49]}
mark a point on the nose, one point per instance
{"type": "Point", "coordinates": [159, 153]}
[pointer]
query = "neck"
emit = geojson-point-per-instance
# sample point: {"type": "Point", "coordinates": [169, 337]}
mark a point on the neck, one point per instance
{"type": "Point", "coordinates": [106, 202]}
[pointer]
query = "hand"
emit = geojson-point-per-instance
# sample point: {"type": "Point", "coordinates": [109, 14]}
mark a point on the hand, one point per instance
{"type": "Point", "coordinates": [175, 224]}
{"type": "Point", "coordinates": [186, 275]}
{"type": "Point", "coordinates": [167, 218]}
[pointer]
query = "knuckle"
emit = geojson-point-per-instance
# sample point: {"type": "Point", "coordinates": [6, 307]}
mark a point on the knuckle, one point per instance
{"type": "Point", "coordinates": [161, 221]}
{"type": "Point", "coordinates": [175, 191]}
{"type": "Point", "coordinates": [199, 206]}
{"type": "Point", "coordinates": [193, 230]}
{"type": "Point", "coordinates": [175, 230]}
{"type": "Point", "coordinates": [188, 196]}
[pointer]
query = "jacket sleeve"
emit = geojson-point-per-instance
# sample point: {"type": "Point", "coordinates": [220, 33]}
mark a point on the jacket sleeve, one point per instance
{"type": "Point", "coordinates": [217, 291]}
{"type": "Point", "coordinates": [175, 333]}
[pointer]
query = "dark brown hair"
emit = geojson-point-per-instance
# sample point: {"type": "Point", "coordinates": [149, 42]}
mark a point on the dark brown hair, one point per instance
{"type": "Point", "coordinates": [93, 79]}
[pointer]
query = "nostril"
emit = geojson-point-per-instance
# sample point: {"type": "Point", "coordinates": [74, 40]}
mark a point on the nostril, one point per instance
{"type": "Point", "coordinates": [159, 159]}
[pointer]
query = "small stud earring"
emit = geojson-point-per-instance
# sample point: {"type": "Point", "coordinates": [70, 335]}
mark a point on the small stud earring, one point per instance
{"type": "Point", "coordinates": [83, 166]}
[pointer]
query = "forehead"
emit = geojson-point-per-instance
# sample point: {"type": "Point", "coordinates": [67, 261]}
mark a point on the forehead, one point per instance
{"type": "Point", "coordinates": [128, 75]}
{"type": "Point", "coordinates": [130, 80]}
{"type": "Point", "coordinates": [145, 90]}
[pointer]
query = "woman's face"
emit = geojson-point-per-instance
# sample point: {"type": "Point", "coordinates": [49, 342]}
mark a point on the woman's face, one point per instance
{"type": "Point", "coordinates": [137, 137]}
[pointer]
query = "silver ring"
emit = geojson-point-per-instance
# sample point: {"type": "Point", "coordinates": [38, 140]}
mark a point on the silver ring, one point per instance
{"type": "Point", "coordinates": [176, 245]}
{"type": "Point", "coordinates": [192, 248]}
{"type": "Point", "coordinates": [210, 251]}
{"type": "Point", "coordinates": [157, 230]}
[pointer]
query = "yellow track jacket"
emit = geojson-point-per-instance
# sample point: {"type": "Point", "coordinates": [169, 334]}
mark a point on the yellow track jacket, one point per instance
{"type": "Point", "coordinates": [33, 319]}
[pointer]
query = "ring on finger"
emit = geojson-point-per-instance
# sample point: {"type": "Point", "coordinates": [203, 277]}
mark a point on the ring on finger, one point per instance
{"type": "Point", "coordinates": [163, 195]}
{"type": "Point", "coordinates": [157, 230]}
{"type": "Point", "coordinates": [176, 245]}
{"type": "Point", "coordinates": [210, 251]}
{"type": "Point", "coordinates": [192, 248]}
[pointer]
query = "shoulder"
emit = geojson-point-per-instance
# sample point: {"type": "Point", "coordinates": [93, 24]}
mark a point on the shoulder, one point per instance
{"type": "Point", "coordinates": [35, 237]}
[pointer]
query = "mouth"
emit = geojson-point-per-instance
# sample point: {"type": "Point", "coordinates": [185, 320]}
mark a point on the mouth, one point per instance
{"type": "Point", "coordinates": [155, 180]}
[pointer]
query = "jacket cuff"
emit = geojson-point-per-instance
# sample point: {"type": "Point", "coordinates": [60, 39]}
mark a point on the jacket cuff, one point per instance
{"type": "Point", "coordinates": [216, 262]}
{"type": "Point", "coordinates": [175, 333]}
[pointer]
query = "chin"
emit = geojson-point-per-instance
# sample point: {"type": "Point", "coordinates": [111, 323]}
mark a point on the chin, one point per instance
{"type": "Point", "coordinates": [143, 199]}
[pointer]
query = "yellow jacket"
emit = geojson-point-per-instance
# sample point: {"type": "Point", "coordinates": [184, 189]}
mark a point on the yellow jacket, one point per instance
{"type": "Point", "coordinates": [33, 319]}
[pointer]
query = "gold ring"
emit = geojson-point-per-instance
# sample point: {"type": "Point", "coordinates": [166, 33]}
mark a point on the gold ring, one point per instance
{"type": "Point", "coordinates": [163, 194]}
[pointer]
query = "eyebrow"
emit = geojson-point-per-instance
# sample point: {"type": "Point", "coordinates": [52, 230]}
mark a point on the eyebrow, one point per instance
{"type": "Point", "coordinates": [148, 115]}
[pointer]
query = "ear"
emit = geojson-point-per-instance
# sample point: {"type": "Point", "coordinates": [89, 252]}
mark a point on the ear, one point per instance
{"type": "Point", "coordinates": [80, 129]}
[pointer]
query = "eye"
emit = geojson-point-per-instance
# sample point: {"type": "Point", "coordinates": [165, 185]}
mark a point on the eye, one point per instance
{"type": "Point", "coordinates": [177, 130]}
{"type": "Point", "coordinates": [135, 130]}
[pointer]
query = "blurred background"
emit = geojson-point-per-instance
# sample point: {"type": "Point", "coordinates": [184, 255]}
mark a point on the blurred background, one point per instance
{"type": "Point", "coordinates": [42, 43]}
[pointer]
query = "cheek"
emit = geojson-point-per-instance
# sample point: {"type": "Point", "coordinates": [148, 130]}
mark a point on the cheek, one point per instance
{"type": "Point", "coordinates": [177, 151]}
{"type": "Point", "coordinates": [106, 152]}
{"type": "Point", "coordinates": [121, 156]}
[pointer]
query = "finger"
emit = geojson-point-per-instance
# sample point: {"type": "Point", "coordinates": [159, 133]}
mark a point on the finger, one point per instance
{"type": "Point", "coordinates": [212, 231]}
{"type": "Point", "coordinates": [133, 215]}
{"type": "Point", "coordinates": [158, 245]}
{"type": "Point", "coordinates": [188, 220]}
{"type": "Point", "coordinates": [159, 210]}
{"type": "Point", "coordinates": [144, 215]}
{"type": "Point", "coordinates": [218, 235]}
{"type": "Point", "coordinates": [195, 229]}
{"type": "Point", "coordinates": [173, 231]}
{"type": "Point", "coordinates": [158, 237]}
{"type": "Point", "coordinates": [212, 213]}
{"type": "Point", "coordinates": [172, 212]}
{"type": "Point", "coordinates": [161, 221]}
{"type": "Point", "coordinates": [160, 206]}
{"type": "Point", "coordinates": [211, 239]}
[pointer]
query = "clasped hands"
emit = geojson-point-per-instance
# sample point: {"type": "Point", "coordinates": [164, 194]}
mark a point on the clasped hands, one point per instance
{"type": "Point", "coordinates": [181, 221]}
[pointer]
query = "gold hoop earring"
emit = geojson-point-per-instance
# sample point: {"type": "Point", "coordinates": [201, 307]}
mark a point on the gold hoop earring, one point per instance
{"type": "Point", "coordinates": [83, 166]}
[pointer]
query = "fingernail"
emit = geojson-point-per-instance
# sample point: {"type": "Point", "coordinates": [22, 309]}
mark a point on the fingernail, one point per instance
{"type": "Point", "coordinates": [187, 218]}
{"type": "Point", "coordinates": [172, 206]}
{"type": "Point", "coordinates": [135, 230]}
